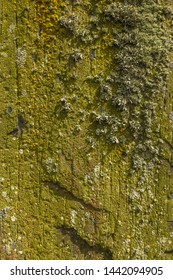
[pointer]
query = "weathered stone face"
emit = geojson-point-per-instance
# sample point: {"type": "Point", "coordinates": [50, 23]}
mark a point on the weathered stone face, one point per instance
{"type": "Point", "coordinates": [86, 130]}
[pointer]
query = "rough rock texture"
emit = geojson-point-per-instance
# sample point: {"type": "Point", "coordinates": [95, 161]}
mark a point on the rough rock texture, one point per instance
{"type": "Point", "coordinates": [86, 117]}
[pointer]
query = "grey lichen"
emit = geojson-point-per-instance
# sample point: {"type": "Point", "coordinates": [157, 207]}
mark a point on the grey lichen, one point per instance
{"type": "Point", "coordinates": [140, 48]}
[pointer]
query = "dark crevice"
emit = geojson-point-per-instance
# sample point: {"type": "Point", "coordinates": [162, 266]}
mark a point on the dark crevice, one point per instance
{"type": "Point", "coordinates": [20, 125]}
{"type": "Point", "coordinates": [169, 251]}
{"type": "Point", "coordinates": [83, 245]}
{"type": "Point", "coordinates": [63, 192]}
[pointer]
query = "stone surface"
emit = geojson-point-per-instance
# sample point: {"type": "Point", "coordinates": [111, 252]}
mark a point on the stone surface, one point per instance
{"type": "Point", "coordinates": [86, 169]}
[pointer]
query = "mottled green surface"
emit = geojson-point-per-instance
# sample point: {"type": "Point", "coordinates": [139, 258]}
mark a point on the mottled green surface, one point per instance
{"type": "Point", "coordinates": [86, 168]}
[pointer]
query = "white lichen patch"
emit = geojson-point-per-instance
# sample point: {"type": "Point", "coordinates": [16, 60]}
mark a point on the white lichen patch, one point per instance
{"type": "Point", "coordinates": [20, 252]}
{"type": "Point", "coordinates": [21, 57]}
{"type": "Point", "coordinates": [4, 194]}
{"type": "Point", "coordinates": [96, 175]}
{"type": "Point", "coordinates": [21, 151]}
{"type": "Point", "coordinates": [24, 92]}
{"type": "Point", "coordinates": [51, 165]}
{"type": "Point", "coordinates": [13, 218]}
{"type": "Point", "coordinates": [12, 27]}
{"type": "Point", "coordinates": [97, 171]}
{"type": "Point", "coordinates": [8, 248]}
{"type": "Point", "coordinates": [4, 54]}
{"type": "Point", "coordinates": [73, 216]}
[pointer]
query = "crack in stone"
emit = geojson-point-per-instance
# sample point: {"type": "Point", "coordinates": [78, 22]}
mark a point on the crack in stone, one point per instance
{"type": "Point", "coordinates": [63, 192]}
{"type": "Point", "coordinates": [84, 245]}
{"type": "Point", "coordinates": [20, 125]}
{"type": "Point", "coordinates": [169, 251]}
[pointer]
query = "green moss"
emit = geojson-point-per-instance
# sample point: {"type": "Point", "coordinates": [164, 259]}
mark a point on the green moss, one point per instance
{"type": "Point", "coordinates": [88, 176]}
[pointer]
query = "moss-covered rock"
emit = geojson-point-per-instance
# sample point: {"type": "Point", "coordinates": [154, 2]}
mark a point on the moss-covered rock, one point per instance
{"type": "Point", "coordinates": [86, 130]}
